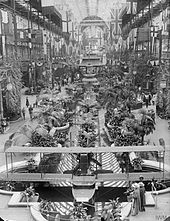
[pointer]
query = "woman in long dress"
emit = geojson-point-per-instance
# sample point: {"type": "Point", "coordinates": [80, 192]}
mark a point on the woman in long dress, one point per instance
{"type": "Point", "coordinates": [142, 196]}
{"type": "Point", "coordinates": [135, 199]}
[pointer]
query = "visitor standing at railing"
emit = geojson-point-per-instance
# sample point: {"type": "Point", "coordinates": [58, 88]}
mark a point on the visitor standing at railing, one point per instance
{"type": "Point", "coordinates": [136, 203]}
{"type": "Point", "coordinates": [142, 193]}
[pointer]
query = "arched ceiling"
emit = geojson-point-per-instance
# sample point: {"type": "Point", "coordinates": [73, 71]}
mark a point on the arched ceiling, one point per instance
{"type": "Point", "coordinates": [87, 8]}
{"type": "Point", "coordinates": [81, 9]}
{"type": "Point", "coordinates": [93, 33]}
{"type": "Point", "coordinates": [93, 20]}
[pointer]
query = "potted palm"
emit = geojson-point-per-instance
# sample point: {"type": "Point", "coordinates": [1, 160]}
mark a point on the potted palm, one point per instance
{"type": "Point", "coordinates": [137, 164]}
{"type": "Point", "coordinates": [79, 212]}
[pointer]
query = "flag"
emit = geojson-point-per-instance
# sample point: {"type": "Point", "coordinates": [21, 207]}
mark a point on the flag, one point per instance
{"type": "Point", "coordinates": [128, 7]}
{"type": "Point", "coordinates": [4, 16]}
{"type": "Point", "coordinates": [116, 21]}
{"type": "Point", "coordinates": [153, 33]}
{"type": "Point", "coordinates": [134, 8]}
{"type": "Point", "coordinates": [131, 7]}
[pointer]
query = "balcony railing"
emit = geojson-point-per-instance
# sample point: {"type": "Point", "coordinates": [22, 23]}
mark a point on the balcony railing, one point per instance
{"type": "Point", "coordinates": [140, 19]}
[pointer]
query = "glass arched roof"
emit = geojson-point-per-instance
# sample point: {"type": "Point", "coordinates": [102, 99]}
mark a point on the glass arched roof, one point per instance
{"type": "Point", "coordinates": [81, 9]}
{"type": "Point", "coordinates": [86, 8]}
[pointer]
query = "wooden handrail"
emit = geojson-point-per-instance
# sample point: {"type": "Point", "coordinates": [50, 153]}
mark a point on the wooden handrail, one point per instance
{"type": "Point", "coordinates": [107, 149]}
{"type": "Point", "coordinates": [68, 177]}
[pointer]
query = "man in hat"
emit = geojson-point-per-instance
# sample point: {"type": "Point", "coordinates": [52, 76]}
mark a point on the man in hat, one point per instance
{"type": "Point", "coordinates": [142, 193]}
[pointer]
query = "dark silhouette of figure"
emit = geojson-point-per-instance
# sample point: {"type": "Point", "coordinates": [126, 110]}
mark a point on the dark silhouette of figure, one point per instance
{"type": "Point", "coordinates": [36, 101]}
{"type": "Point", "coordinates": [27, 102]}
{"type": "Point", "coordinates": [125, 158]}
{"type": "Point", "coordinates": [122, 165]}
{"type": "Point", "coordinates": [30, 109]}
{"type": "Point", "coordinates": [142, 193]}
{"type": "Point", "coordinates": [23, 112]}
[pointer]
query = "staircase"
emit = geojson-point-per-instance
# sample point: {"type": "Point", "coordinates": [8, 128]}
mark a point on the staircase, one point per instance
{"type": "Point", "coordinates": [109, 162]}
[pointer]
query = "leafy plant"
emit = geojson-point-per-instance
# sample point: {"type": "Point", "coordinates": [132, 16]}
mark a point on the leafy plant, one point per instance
{"type": "Point", "coordinates": [127, 140]}
{"type": "Point", "coordinates": [13, 97]}
{"type": "Point", "coordinates": [145, 126]}
{"type": "Point", "coordinates": [137, 163]}
{"type": "Point", "coordinates": [38, 140]}
{"type": "Point", "coordinates": [79, 211]}
{"type": "Point", "coordinates": [115, 208]}
{"type": "Point", "coordinates": [49, 163]}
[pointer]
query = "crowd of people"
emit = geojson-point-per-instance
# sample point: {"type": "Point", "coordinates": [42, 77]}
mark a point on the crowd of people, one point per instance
{"type": "Point", "coordinates": [136, 194]}
{"type": "Point", "coordinates": [136, 191]}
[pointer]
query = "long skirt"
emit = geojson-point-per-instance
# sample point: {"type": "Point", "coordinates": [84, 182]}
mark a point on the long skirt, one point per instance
{"type": "Point", "coordinates": [135, 206]}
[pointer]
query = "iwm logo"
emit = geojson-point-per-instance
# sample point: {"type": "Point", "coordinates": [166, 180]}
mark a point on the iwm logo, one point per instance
{"type": "Point", "coordinates": [162, 218]}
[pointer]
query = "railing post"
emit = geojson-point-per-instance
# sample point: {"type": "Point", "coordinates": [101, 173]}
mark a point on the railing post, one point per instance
{"type": "Point", "coordinates": [6, 158]}
{"type": "Point", "coordinates": [41, 166]}
{"type": "Point", "coordinates": [11, 163]}
{"type": "Point", "coordinates": [162, 143]}
{"type": "Point", "coordinates": [164, 164]}
{"type": "Point", "coordinates": [154, 194]}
